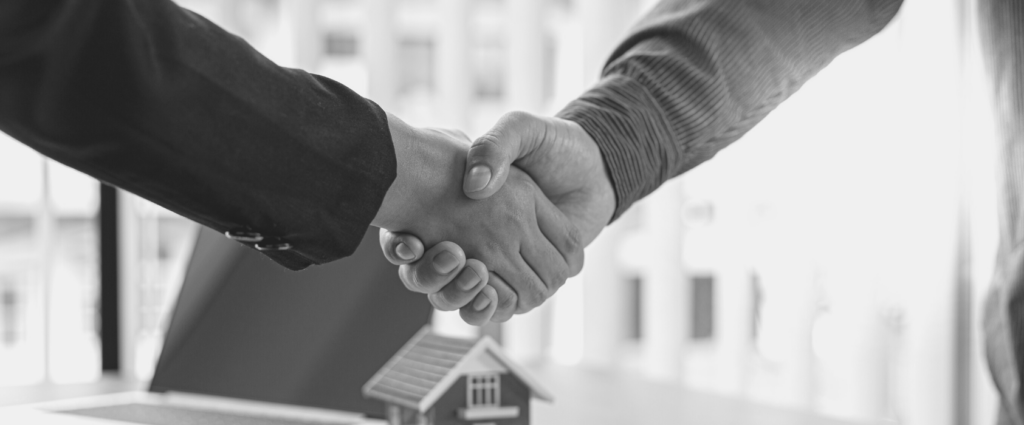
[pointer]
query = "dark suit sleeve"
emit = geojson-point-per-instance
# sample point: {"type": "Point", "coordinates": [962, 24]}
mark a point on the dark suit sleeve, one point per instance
{"type": "Point", "coordinates": [155, 99]}
{"type": "Point", "coordinates": [694, 76]}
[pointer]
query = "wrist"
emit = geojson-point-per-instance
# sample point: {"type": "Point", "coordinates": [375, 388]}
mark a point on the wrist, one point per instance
{"type": "Point", "coordinates": [392, 210]}
{"type": "Point", "coordinates": [600, 188]}
{"type": "Point", "coordinates": [426, 162]}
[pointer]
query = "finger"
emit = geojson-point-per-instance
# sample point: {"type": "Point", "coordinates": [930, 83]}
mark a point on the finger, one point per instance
{"type": "Point", "coordinates": [560, 232]}
{"type": "Point", "coordinates": [527, 289]}
{"type": "Point", "coordinates": [482, 309]}
{"type": "Point", "coordinates": [506, 301]}
{"type": "Point", "coordinates": [400, 248]}
{"type": "Point", "coordinates": [533, 292]}
{"type": "Point", "coordinates": [463, 289]}
{"type": "Point", "coordinates": [439, 266]}
{"type": "Point", "coordinates": [487, 166]}
{"type": "Point", "coordinates": [549, 267]}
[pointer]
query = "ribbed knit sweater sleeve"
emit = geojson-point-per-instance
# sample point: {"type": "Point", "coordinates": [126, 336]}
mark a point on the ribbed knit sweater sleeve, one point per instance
{"type": "Point", "coordinates": [695, 76]}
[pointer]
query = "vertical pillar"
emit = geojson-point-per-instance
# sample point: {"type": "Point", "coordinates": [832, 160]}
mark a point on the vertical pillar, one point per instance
{"type": "Point", "coordinates": [525, 44]}
{"type": "Point", "coordinates": [930, 373]}
{"type": "Point", "coordinates": [666, 293]}
{"type": "Point", "coordinates": [604, 22]}
{"type": "Point", "coordinates": [46, 236]}
{"type": "Point", "coordinates": [302, 30]}
{"type": "Point", "coordinates": [110, 309]}
{"type": "Point", "coordinates": [380, 51]}
{"type": "Point", "coordinates": [526, 336]}
{"type": "Point", "coordinates": [603, 301]}
{"type": "Point", "coordinates": [454, 75]}
{"type": "Point", "coordinates": [733, 322]}
{"type": "Point", "coordinates": [977, 108]}
{"type": "Point", "coordinates": [605, 25]}
{"type": "Point", "coordinates": [453, 79]}
{"type": "Point", "coordinates": [130, 276]}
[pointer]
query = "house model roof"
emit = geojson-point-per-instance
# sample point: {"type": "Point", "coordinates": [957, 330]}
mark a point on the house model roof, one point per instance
{"type": "Point", "coordinates": [429, 364]}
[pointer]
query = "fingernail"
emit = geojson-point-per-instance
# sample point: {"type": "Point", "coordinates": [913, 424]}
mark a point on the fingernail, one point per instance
{"type": "Point", "coordinates": [479, 176]}
{"type": "Point", "coordinates": [404, 252]}
{"type": "Point", "coordinates": [445, 262]}
{"type": "Point", "coordinates": [468, 284]}
{"type": "Point", "coordinates": [481, 303]}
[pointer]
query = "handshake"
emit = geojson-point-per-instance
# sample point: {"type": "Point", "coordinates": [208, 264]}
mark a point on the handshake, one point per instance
{"type": "Point", "coordinates": [494, 227]}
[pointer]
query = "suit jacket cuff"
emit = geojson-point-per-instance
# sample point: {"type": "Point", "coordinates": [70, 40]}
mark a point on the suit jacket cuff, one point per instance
{"type": "Point", "coordinates": [335, 224]}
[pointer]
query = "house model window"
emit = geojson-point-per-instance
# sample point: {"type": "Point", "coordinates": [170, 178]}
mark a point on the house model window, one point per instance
{"type": "Point", "coordinates": [483, 390]}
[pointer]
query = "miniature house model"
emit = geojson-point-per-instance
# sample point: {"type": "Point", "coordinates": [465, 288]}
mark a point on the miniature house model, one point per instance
{"type": "Point", "coordinates": [436, 380]}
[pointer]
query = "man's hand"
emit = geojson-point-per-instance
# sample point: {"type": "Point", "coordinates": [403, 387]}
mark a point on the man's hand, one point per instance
{"type": "Point", "coordinates": [558, 154]}
{"type": "Point", "coordinates": [529, 246]}
{"type": "Point", "coordinates": [460, 286]}
{"type": "Point", "coordinates": [564, 162]}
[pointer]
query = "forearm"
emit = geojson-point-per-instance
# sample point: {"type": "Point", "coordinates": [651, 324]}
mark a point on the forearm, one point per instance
{"type": "Point", "coordinates": [696, 76]}
{"type": "Point", "coordinates": [157, 100]}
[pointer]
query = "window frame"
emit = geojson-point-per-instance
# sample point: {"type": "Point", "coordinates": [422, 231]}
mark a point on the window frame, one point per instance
{"type": "Point", "coordinates": [487, 384]}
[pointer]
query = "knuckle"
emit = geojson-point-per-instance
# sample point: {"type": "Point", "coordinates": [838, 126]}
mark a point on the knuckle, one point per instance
{"type": "Point", "coordinates": [435, 302]}
{"type": "Point", "coordinates": [516, 117]}
{"type": "Point", "coordinates": [576, 262]}
{"type": "Point", "coordinates": [527, 190]}
{"type": "Point", "coordinates": [501, 316]}
{"type": "Point", "coordinates": [440, 301]}
{"type": "Point", "coordinates": [408, 279]}
{"type": "Point", "coordinates": [531, 298]}
{"type": "Point", "coordinates": [509, 302]}
{"type": "Point", "coordinates": [496, 246]}
{"type": "Point", "coordinates": [559, 278]}
{"type": "Point", "coordinates": [472, 318]}
{"type": "Point", "coordinates": [524, 309]}
{"type": "Point", "coordinates": [573, 240]}
{"type": "Point", "coordinates": [487, 145]}
{"type": "Point", "coordinates": [384, 236]}
{"type": "Point", "coordinates": [416, 280]}
{"type": "Point", "coordinates": [420, 279]}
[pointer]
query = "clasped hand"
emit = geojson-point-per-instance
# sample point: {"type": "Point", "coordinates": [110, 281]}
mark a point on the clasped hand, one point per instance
{"type": "Point", "coordinates": [505, 218]}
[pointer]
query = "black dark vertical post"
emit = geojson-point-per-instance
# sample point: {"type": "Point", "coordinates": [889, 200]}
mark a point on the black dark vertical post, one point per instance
{"type": "Point", "coordinates": [110, 339]}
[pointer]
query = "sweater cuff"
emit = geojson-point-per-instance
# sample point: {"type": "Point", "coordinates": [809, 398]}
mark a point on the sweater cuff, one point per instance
{"type": "Point", "coordinates": [631, 131]}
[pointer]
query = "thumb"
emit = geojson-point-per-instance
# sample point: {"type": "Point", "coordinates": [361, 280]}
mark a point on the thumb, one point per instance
{"type": "Point", "coordinates": [514, 136]}
{"type": "Point", "coordinates": [400, 248]}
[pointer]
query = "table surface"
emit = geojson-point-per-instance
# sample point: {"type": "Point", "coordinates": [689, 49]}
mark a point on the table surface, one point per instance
{"type": "Point", "coordinates": [581, 396]}
{"type": "Point", "coordinates": [605, 397]}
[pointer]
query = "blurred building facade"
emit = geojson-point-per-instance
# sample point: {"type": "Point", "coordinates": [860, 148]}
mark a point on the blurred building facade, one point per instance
{"type": "Point", "coordinates": [814, 265]}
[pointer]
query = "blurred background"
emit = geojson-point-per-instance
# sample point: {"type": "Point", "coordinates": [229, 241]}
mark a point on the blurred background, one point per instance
{"type": "Point", "coordinates": [833, 261]}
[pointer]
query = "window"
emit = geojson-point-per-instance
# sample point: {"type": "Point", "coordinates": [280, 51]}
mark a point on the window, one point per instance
{"type": "Point", "coordinates": [757, 293]}
{"type": "Point", "coordinates": [416, 75]}
{"type": "Point", "coordinates": [158, 247]}
{"type": "Point", "coordinates": [483, 391]}
{"type": "Point", "coordinates": [9, 317]}
{"type": "Point", "coordinates": [489, 73]}
{"type": "Point", "coordinates": [394, 414]}
{"type": "Point", "coordinates": [49, 277]}
{"type": "Point", "coordinates": [634, 307]}
{"type": "Point", "coordinates": [703, 325]}
{"type": "Point", "coordinates": [341, 44]}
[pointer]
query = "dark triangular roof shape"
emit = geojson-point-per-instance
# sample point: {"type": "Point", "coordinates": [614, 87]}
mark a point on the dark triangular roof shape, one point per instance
{"type": "Point", "coordinates": [423, 370]}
